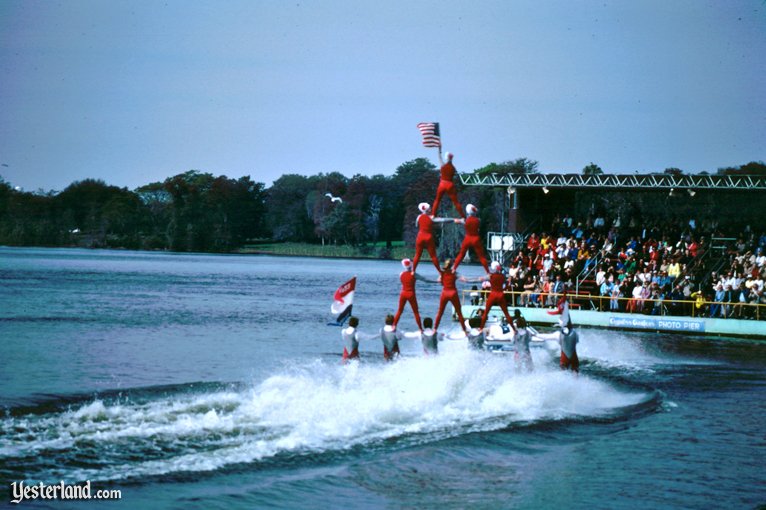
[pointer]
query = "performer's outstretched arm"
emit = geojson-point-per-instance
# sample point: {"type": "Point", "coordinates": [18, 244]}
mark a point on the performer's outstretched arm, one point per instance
{"type": "Point", "coordinates": [457, 335]}
{"type": "Point", "coordinates": [366, 336]}
{"type": "Point", "coordinates": [427, 280]}
{"type": "Point", "coordinates": [407, 334]}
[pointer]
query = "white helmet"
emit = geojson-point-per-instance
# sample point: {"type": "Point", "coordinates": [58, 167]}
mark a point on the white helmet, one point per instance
{"type": "Point", "coordinates": [449, 156]}
{"type": "Point", "coordinates": [424, 207]}
{"type": "Point", "coordinates": [471, 209]}
{"type": "Point", "coordinates": [495, 267]}
{"type": "Point", "coordinates": [406, 263]}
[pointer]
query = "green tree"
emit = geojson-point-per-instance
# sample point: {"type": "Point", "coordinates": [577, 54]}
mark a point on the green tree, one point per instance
{"type": "Point", "coordinates": [213, 213]}
{"type": "Point", "coordinates": [592, 169]}
{"type": "Point", "coordinates": [518, 166]}
{"type": "Point", "coordinates": [104, 215]}
{"type": "Point", "coordinates": [235, 208]}
{"type": "Point", "coordinates": [752, 168]}
{"type": "Point", "coordinates": [333, 184]}
{"type": "Point", "coordinates": [159, 206]}
{"type": "Point", "coordinates": [288, 217]}
{"type": "Point", "coordinates": [413, 182]}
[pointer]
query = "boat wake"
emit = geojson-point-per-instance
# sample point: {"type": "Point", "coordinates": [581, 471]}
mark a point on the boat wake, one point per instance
{"type": "Point", "coordinates": [306, 409]}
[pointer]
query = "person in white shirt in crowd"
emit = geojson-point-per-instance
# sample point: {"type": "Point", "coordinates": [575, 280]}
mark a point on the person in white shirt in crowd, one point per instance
{"type": "Point", "coordinates": [600, 276]}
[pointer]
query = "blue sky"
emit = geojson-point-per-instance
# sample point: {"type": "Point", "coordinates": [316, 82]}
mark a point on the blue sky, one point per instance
{"type": "Point", "coordinates": [134, 92]}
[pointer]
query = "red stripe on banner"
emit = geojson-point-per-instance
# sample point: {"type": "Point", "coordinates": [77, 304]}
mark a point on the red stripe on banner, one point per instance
{"type": "Point", "coordinates": [344, 289]}
{"type": "Point", "coordinates": [430, 133]}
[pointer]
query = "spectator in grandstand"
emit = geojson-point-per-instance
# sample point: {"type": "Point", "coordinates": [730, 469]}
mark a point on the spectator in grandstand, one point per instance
{"type": "Point", "coordinates": [528, 288]}
{"type": "Point", "coordinates": [616, 294]}
{"type": "Point", "coordinates": [547, 262]}
{"type": "Point", "coordinates": [630, 264]}
{"type": "Point", "coordinates": [692, 247]}
{"type": "Point", "coordinates": [728, 298]}
{"type": "Point", "coordinates": [600, 275]}
{"type": "Point", "coordinates": [700, 303]}
{"type": "Point", "coordinates": [676, 295]}
{"type": "Point", "coordinates": [741, 297]}
{"type": "Point", "coordinates": [533, 242]}
{"type": "Point", "coordinates": [674, 269]}
{"type": "Point", "coordinates": [716, 306]}
{"type": "Point", "coordinates": [534, 297]}
{"type": "Point", "coordinates": [605, 291]}
{"type": "Point", "coordinates": [656, 299]}
{"type": "Point", "coordinates": [731, 280]}
{"type": "Point", "coordinates": [556, 288]}
{"type": "Point", "coordinates": [757, 284]}
{"type": "Point", "coordinates": [643, 295]}
{"type": "Point", "coordinates": [710, 281]}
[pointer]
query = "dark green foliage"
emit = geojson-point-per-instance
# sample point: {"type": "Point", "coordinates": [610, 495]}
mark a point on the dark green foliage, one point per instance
{"type": "Point", "coordinates": [752, 168]}
{"type": "Point", "coordinates": [517, 167]}
{"type": "Point", "coordinates": [592, 169]}
{"type": "Point", "coordinates": [190, 211]}
{"type": "Point", "coordinates": [288, 215]}
{"type": "Point", "coordinates": [196, 211]}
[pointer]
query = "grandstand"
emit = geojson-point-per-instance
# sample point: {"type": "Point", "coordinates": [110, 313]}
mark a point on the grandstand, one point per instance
{"type": "Point", "coordinates": [674, 245]}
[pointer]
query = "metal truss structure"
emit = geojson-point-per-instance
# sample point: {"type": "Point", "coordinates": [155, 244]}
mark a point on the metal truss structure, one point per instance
{"type": "Point", "coordinates": [624, 181]}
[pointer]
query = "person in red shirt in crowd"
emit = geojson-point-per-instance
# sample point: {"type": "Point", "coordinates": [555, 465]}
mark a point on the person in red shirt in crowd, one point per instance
{"type": "Point", "coordinates": [693, 247]}
{"type": "Point", "coordinates": [654, 255]}
{"type": "Point", "coordinates": [533, 242]}
{"type": "Point", "coordinates": [471, 239]}
{"type": "Point", "coordinates": [407, 295]}
{"type": "Point", "coordinates": [523, 258]}
{"type": "Point", "coordinates": [446, 185]}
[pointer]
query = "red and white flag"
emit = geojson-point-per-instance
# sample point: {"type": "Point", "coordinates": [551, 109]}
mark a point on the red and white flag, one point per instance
{"type": "Point", "coordinates": [343, 301]}
{"type": "Point", "coordinates": [431, 135]}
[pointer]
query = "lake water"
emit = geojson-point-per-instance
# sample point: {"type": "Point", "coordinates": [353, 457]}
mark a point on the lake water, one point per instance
{"type": "Point", "coordinates": [207, 381]}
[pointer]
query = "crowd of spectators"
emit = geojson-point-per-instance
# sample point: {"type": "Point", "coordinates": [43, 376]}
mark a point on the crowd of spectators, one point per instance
{"type": "Point", "coordinates": [667, 269]}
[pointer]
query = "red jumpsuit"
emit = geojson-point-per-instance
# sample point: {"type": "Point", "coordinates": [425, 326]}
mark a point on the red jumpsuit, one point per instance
{"type": "Point", "coordinates": [447, 186]}
{"type": "Point", "coordinates": [472, 240]}
{"type": "Point", "coordinates": [425, 240]}
{"type": "Point", "coordinates": [408, 296]}
{"type": "Point", "coordinates": [449, 295]}
{"type": "Point", "coordinates": [496, 297]}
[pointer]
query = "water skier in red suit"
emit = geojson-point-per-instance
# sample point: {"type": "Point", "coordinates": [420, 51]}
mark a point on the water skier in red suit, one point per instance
{"type": "Point", "coordinates": [472, 239]}
{"type": "Point", "coordinates": [496, 294]}
{"type": "Point", "coordinates": [447, 174]}
{"type": "Point", "coordinates": [448, 278]}
{"type": "Point", "coordinates": [407, 295]}
{"type": "Point", "coordinates": [425, 239]}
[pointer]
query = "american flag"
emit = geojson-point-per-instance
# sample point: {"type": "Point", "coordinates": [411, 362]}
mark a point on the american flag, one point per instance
{"type": "Point", "coordinates": [430, 132]}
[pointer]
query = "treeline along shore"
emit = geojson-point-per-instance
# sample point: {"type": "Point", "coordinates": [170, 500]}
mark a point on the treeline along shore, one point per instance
{"type": "Point", "coordinates": [320, 215]}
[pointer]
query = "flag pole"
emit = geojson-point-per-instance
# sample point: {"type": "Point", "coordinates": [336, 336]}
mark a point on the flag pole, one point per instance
{"type": "Point", "coordinates": [439, 148]}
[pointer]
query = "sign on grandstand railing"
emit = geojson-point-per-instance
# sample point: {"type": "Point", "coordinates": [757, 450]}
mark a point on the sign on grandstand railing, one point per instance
{"type": "Point", "coordinates": [500, 242]}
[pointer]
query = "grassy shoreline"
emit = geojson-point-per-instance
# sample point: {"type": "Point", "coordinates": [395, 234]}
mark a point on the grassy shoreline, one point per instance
{"type": "Point", "coordinates": [397, 251]}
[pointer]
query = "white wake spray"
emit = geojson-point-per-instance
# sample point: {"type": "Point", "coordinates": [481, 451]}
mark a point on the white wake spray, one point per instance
{"type": "Point", "coordinates": [310, 408]}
